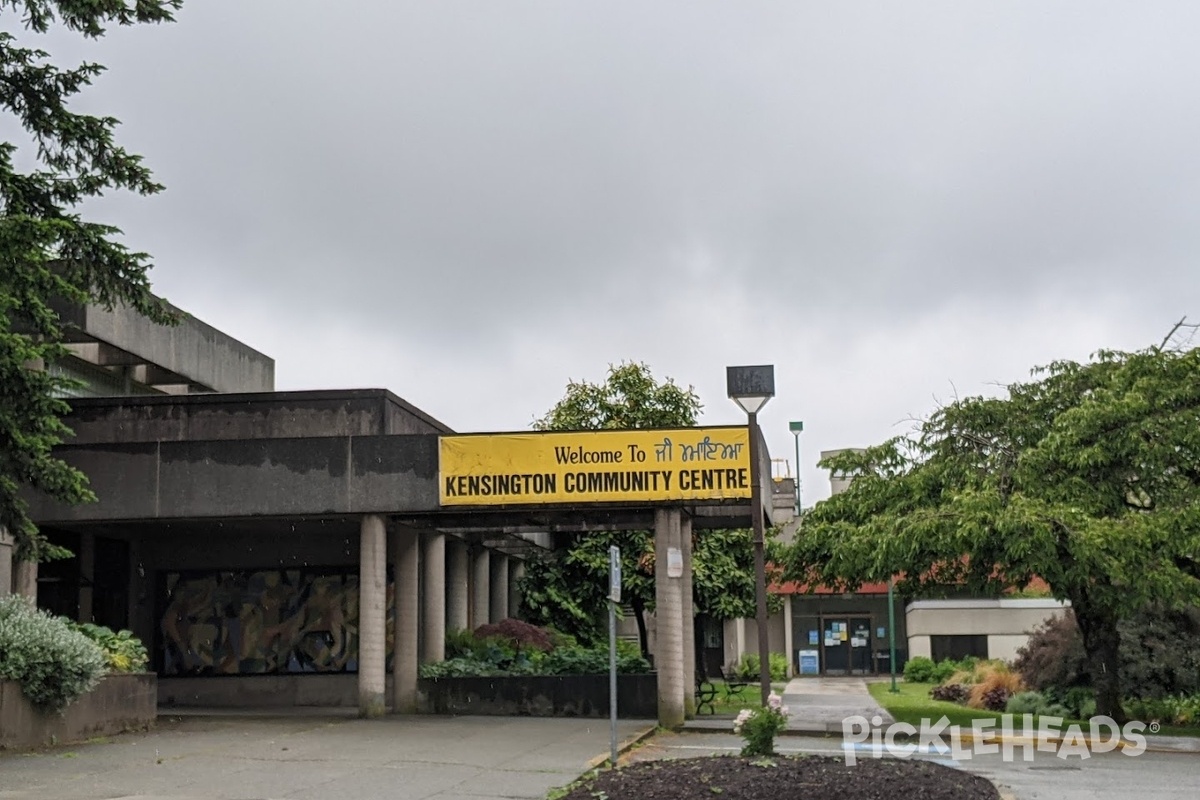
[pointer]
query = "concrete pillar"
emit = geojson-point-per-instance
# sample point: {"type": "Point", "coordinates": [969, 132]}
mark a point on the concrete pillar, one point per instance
{"type": "Point", "coordinates": [87, 574]}
{"type": "Point", "coordinates": [372, 625]}
{"type": "Point", "coordinates": [480, 586]}
{"type": "Point", "coordinates": [688, 616]}
{"type": "Point", "coordinates": [458, 585]}
{"type": "Point", "coordinates": [668, 655]}
{"type": "Point", "coordinates": [433, 601]}
{"type": "Point", "coordinates": [25, 574]}
{"type": "Point", "coordinates": [516, 571]}
{"type": "Point", "coordinates": [788, 644]}
{"type": "Point", "coordinates": [7, 545]}
{"type": "Point", "coordinates": [407, 622]}
{"type": "Point", "coordinates": [499, 587]}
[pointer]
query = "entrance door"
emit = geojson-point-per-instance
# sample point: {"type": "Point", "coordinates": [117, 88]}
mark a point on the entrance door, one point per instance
{"type": "Point", "coordinates": [835, 645]}
{"type": "Point", "coordinates": [860, 646]}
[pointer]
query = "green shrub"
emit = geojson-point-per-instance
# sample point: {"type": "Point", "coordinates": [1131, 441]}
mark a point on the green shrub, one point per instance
{"type": "Point", "coordinates": [460, 643]}
{"type": "Point", "coordinates": [759, 726]}
{"type": "Point", "coordinates": [53, 663]}
{"type": "Point", "coordinates": [1026, 703]}
{"type": "Point", "coordinates": [748, 667]}
{"type": "Point", "coordinates": [944, 670]}
{"type": "Point", "coordinates": [122, 650]}
{"type": "Point", "coordinates": [918, 670]}
{"type": "Point", "coordinates": [1181, 710]}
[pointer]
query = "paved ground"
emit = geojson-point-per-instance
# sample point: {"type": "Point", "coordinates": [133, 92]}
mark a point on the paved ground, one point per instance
{"type": "Point", "coordinates": [300, 757]}
{"type": "Point", "coordinates": [816, 705]}
{"type": "Point", "coordinates": [1173, 776]}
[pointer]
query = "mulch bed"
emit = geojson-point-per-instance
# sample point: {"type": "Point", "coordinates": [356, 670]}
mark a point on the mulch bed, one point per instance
{"type": "Point", "coordinates": [806, 777]}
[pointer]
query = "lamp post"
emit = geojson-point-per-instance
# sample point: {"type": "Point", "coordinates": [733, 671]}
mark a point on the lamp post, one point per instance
{"type": "Point", "coordinates": [751, 388]}
{"type": "Point", "coordinates": [796, 428]}
{"type": "Point", "coordinates": [892, 631]}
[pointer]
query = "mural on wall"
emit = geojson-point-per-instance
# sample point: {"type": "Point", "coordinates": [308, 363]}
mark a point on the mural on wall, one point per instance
{"type": "Point", "coordinates": [261, 622]}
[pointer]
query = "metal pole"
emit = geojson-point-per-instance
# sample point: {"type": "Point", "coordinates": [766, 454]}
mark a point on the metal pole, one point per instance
{"type": "Point", "coordinates": [797, 435]}
{"type": "Point", "coordinates": [612, 679]}
{"type": "Point", "coordinates": [760, 567]}
{"type": "Point", "coordinates": [892, 630]}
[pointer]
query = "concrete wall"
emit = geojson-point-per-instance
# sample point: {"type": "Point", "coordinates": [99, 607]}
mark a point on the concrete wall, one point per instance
{"type": "Point", "coordinates": [263, 477]}
{"type": "Point", "coordinates": [119, 703]}
{"type": "Point", "coordinates": [192, 350]}
{"type": "Point", "coordinates": [1006, 622]}
{"type": "Point", "coordinates": [261, 691]}
{"type": "Point", "coordinates": [277, 415]}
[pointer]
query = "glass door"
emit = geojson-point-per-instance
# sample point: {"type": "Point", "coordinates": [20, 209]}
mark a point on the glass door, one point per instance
{"type": "Point", "coordinates": [860, 646]}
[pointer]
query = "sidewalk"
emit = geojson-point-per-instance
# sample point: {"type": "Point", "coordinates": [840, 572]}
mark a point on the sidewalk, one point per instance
{"type": "Point", "coordinates": [817, 707]}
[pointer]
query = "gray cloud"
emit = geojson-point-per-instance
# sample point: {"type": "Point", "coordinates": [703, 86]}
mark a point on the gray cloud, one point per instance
{"type": "Point", "coordinates": [472, 202]}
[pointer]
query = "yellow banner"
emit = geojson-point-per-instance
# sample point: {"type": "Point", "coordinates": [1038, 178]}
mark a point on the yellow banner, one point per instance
{"type": "Point", "coordinates": [638, 466]}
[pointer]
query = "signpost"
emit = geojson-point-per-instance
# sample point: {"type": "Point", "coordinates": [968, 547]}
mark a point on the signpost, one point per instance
{"type": "Point", "coordinates": [614, 597]}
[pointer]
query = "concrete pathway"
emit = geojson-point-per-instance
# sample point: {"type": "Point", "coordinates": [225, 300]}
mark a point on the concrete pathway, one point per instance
{"type": "Point", "coordinates": [820, 704]}
{"type": "Point", "coordinates": [300, 757]}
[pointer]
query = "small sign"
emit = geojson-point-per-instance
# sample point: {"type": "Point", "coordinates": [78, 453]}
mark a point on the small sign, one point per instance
{"type": "Point", "coordinates": [674, 562]}
{"type": "Point", "coordinates": [614, 574]}
{"type": "Point", "coordinates": [810, 662]}
{"type": "Point", "coordinates": [880, 633]}
{"type": "Point", "coordinates": [814, 637]}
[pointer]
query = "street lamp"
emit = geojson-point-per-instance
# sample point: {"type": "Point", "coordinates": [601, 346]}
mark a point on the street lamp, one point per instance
{"type": "Point", "coordinates": [751, 388]}
{"type": "Point", "coordinates": [796, 428]}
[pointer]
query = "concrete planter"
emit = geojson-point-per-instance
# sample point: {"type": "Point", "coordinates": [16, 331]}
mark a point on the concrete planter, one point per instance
{"type": "Point", "coordinates": [126, 702]}
{"type": "Point", "coordinates": [540, 696]}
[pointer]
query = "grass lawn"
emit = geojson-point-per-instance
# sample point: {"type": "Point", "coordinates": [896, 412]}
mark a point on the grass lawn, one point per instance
{"type": "Point", "coordinates": [731, 701]}
{"type": "Point", "coordinates": [912, 704]}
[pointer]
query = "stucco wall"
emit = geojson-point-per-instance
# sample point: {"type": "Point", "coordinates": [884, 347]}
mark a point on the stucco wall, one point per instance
{"type": "Point", "coordinates": [1007, 623]}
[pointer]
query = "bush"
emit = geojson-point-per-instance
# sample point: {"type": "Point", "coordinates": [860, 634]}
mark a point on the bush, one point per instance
{"type": "Point", "coordinates": [1179, 710]}
{"type": "Point", "coordinates": [516, 634]}
{"type": "Point", "coordinates": [918, 670]}
{"type": "Point", "coordinates": [53, 663]}
{"type": "Point", "coordinates": [944, 671]}
{"type": "Point", "coordinates": [759, 726]}
{"type": "Point", "coordinates": [123, 651]}
{"type": "Point", "coordinates": [748, 667]}
{"type": "Point", "coordinates": [949, 692]}
{"type": "Point", "coordinates": [1026, 703]}
{"type": "Point", "coordinates": [1159, 651]}
{"type": "Point", "coordinates": [994, 689]}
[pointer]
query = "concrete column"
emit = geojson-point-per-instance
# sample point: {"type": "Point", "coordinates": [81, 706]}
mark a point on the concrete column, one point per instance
{"type": "Point", "coordinates": [688, 615]}
{"type": "Point", "coordinates": [480, 586]}
{"type": "Point", "coordinates": [433, 630]}
{"type": "Point", "coordinates": [499, 587]}
{"type": "Point", "coordinates": [25, 574]}
{"type": "Point", "coordinates": [406, 566]}
{"type": "Point", "coordinates": [458, 585]}
{"type": "Point", "coordinates": [7, 545]}
{"type": "Point", "coordinates": [372, 606]}
{"type": "Point", "coordinates": [788, 643]}
{"type": "Point", "coordinates": [87, 574]}
{"type": "Point", "coordinates": [516, 571]}
{"type": "Point", "coordinates": [668, 655]}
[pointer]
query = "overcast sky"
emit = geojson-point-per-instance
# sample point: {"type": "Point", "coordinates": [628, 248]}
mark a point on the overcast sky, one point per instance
{"type": "Point", "coordinates": [470, 203]}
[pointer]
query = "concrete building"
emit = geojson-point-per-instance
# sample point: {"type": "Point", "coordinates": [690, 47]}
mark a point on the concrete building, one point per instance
{"type": "Point", "coordinates": [290, 548]}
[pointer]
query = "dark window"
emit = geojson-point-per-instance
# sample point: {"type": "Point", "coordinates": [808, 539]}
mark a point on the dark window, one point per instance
{"type": "Point", "coordinates": [958, 647]}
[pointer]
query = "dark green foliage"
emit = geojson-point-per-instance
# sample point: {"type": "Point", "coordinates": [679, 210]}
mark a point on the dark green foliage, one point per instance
{"type": "Point", "coordinates": [1159, 654]}
{"type": "Point", "coordinates": [53, 662]}
{"type": "Point", "coordinates": [523, 649]}
{"type": "Point", "coordinates": [1088, 477]}
{"type": "Point", "coordinates": [123, 651]}
{"type": "Point", "coordinates": [747, 668]}
{"type": "Point", "coordinates": [48, 251]}
{"type": "Point", "coordinates": [919, 669]}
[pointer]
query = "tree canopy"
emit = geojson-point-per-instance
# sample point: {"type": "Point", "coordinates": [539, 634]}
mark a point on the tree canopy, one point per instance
{"type": "Point", "coordinates": [568, 588]}
{"type": "Point", "coordinates": [1087, 476]}
{"type": "Point", "coordinates": [48, 252]}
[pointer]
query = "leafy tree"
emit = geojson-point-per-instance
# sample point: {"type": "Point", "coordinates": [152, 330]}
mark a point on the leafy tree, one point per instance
{"type": "Point", "coordinates": [48, 252]}
{"type": "Point", "coordinates": [1087, 476]}
{"type": "Point", "coordinates": [568, 589]}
